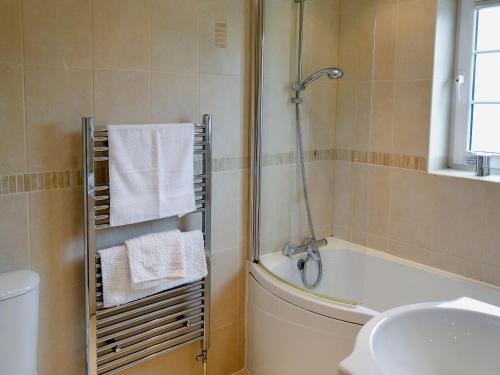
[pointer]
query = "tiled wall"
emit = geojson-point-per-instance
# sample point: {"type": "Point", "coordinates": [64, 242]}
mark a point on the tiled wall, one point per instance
{"type": "Point", "coordinates": [384, 106]}
{"type": "Point", "coordinates": [121, 61]}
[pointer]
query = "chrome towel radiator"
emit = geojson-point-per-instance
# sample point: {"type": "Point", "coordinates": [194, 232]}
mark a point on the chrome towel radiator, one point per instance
{"type": "Point", "coordinates": [121, 337]}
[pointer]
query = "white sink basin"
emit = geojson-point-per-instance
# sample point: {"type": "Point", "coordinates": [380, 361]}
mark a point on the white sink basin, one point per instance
{"type": "Point", "coordinates": [439, 338]}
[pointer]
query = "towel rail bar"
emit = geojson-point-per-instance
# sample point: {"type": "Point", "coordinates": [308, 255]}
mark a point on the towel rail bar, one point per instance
{"type": "Point", "coordinates": [150, 353]}
{"type": "Point", "coordinates": [124, 336]}
{"type": "Point", "coordinates": [184, 316]}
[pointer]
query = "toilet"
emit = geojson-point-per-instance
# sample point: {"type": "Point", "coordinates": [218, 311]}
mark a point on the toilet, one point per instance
{"type": "Point", "coordinates": [18, 322]}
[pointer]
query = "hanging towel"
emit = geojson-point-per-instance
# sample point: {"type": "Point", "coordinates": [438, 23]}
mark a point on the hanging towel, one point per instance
{"type": "Point", "coordinates": [116, 281]}
{"type": "Point", "coordinates": [150, 172]}
{"type": "Point", "coordinates": [156, 256]}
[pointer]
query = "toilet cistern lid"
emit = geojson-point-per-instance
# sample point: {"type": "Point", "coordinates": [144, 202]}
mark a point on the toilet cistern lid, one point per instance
{"type": "Point", "coordinates": [16, 283]}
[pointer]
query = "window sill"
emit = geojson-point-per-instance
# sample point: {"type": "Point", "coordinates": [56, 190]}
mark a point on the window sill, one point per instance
{"type": "Point", "coordinates": [467, 174]}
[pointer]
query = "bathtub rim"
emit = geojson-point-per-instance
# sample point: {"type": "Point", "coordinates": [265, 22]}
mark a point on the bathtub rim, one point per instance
{"type": "Point", "coordinates": [327, 307]}
{"type": "Point", "coordinates": [330, 307]}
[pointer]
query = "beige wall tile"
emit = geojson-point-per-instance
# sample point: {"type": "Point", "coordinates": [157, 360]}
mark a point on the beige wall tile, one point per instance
{"type": "Point", "coordinates": [378, 200]}
{"type": "Point", "coordinates": [365, 43]}
{"type": "Point", "coordinates": [282, 202]}
{"type": "Point", "coordinates": [141, 369]}
{"type": "Point", "coordinates": [121, 34]}
{"type": "Point", "coordinates": [351, 6]}
{"type": "Point", "coordinates": [320, 179]}
{"type": "Point", "coordinates": [383, 116]}
{"type": "Point", "coordinates": [226, 351]}
{"type": "Point", "coordinates": [415, 43]}
{"type": "Point", "coordinates": [344, 121]}
{"type": "Point", "coordinates": [56, 101]}
{"type": "Point", "coordinates": [451, 263]}
{"type": "Point", "coordinates": [411, 123]}
{"type": "Point", "coordinates": [57, 33]}
{"type": "Point", "coordinates": [12, 147]}
{"type": "Point", "coordinates": [321, 26]}
{"type": "Point", "coordinates": [318, 114]}
{"type": "Point", "coordinates": [409, 251]}
{"type": "Point", "coordinates": [226, 214]}
{"type": "Point", "coordinates": [14, 243]}
{"type": "Point", "coordinates": [491, 223]}
{"type": "Point", "coordinates": [362, 116]}
{"type": "Point", "coordinates": [385, 43]}
{"type": "Point", "coordinates": [181, 361]}
{"type": "Point", "coordinates": [342, 194]}
{"type": "Point", "coordinates": [356, 40]}
{"type": "Point", "coordinates": [222, 96]}
{"type": "Point", "coordinates": [410, 212]}
{"type": "Point", "coordinates": [121, 97]}
{"type": "Point", "coordinates": [56, 241]}
{"type": "Point", "coordinates": [225, 288]}
{"type": "Point", "coordinates": [174, 98]}
{"type": "Point", "coordinates": [341, 232]}
{"type": "Point", "coordinates": [10, 31]}
{"type": "Point", "coordinates": [461, 200]}
{"type": "Point", "coordinates": [61, 348]}
{"type": "Point", "coordinates": [278, 111]}
{"type": "Point", "coordinates": [174, 36]}
{"type": "Point", "coordinates": [359, 193]}
{"type": "Point", "coordinates": [279, 26]}
{"type": "Point", "coordinates": [491, 275]}
{"type": "Point", "coordinates": [348, 49]}
{"type": "Point", "coordinates": [228, 59]}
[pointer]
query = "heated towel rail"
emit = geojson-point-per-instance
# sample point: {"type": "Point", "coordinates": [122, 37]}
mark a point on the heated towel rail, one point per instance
{"type": "Point", "coordinates": [123, 336]}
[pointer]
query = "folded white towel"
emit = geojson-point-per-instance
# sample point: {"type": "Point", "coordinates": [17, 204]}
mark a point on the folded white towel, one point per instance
{"type": "Point", "coordinates": [156, 256]}
{"type": "Point", "coordinates": [116, 281]}
{"type": "Point", "coordinates": [150, 172]}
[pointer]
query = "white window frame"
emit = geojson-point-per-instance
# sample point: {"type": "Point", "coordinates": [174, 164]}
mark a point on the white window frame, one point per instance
{"type": "Point", "coordinates": [462, 97]}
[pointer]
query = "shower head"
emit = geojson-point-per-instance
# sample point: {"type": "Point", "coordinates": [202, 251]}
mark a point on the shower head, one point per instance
{"type": "Point", "coordinates": [331, 73]}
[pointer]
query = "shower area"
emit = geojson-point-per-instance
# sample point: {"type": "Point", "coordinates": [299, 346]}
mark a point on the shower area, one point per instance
{"type": "Point", "coordinates": [312, 107]}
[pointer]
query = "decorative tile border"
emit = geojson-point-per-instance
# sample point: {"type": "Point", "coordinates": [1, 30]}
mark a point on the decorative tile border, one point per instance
{"type": "Point", "coordinates": [230, 164]}
{"type": "Point", "coordinates": [289, 158]}
{"type": "Point", "coordinates": [40, 181]}
{"type": "Point", "coordinates": [417, 163]}
{"type": "Point", "coordinates": [365, 157]}
{"type": "Point", "coordinates": [43, 181]}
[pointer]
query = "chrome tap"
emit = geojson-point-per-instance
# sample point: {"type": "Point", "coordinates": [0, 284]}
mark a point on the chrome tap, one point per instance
{"type": "Point", "coordinates": [310, 247]}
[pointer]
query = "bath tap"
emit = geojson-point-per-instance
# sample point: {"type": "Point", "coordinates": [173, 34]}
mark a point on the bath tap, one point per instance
{"type": "Point", "coordinates": [309, 246]}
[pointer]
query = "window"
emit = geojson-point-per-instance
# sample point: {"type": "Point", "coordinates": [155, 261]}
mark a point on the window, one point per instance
{"type": "Point", "coordinates": [477, 96]}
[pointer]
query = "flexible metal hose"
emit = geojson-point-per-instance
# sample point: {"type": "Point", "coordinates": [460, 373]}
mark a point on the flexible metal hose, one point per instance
{"type": "Point", "coordinates": [303, 271]}
{"type": "Point", "coordinates": [300, 147]}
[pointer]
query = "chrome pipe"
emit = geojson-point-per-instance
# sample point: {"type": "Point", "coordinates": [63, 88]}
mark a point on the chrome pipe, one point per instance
{"type": "Point", "coordinates": [257, 84]}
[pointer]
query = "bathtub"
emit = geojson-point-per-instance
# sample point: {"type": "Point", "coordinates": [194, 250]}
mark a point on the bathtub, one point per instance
{"type": "Point", "coordinates": [293, 331]}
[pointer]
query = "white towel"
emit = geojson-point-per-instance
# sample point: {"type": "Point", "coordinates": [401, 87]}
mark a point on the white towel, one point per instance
{"type": "Point", "coordinates": [150, 172]}
{"type": "Point", "coordinates": [116, 281]}
{"type": "Point", "coordinates": [156, 256]}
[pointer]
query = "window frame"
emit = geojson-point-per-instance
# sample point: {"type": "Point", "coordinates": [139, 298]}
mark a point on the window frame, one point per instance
{"type": "Point", "coordinates": [460, 157]}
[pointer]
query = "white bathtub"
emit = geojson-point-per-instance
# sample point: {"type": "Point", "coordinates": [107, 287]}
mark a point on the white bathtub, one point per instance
{"type": "Point", "coordinates": [294, 332]}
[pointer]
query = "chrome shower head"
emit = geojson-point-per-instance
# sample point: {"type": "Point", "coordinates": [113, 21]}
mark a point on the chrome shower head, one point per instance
{"type": "Point", "coordinates": [331, 73]}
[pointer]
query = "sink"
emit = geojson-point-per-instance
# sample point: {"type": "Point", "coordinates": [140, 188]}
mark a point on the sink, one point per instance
{"type": "Point", "coordinates": [437, 338]}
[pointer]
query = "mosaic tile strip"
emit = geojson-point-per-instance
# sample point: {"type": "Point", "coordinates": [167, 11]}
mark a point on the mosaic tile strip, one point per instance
{"type": "Point", "coordinates": [288, 158]}
{"type": "Point", "coordinates": [42, 181]}
{"type": "Point", "coordinates": [417, 163]}
{"type": "Point", "coordinates": [366, 157]}
{"type": "Point", "coordinates": [230, 164]}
